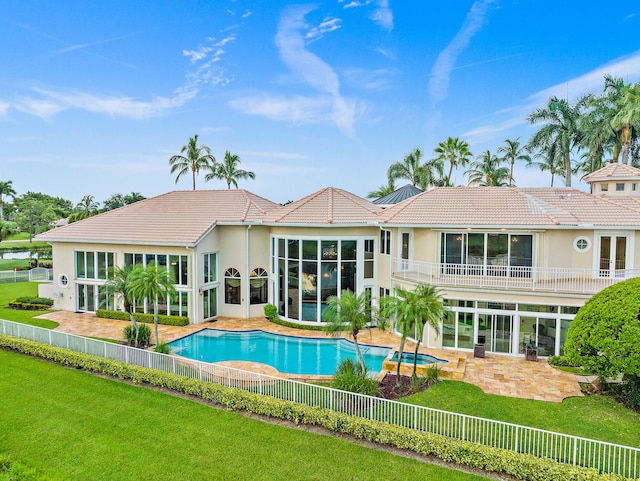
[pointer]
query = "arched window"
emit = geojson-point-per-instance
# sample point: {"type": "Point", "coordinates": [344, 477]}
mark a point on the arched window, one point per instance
{"type": "Point", "coordinates": [258, 293]}
{"type": "Point", "coordinates": [232, 286]}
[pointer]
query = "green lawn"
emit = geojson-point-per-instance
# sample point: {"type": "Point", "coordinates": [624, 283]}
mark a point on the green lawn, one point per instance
{"type": "Point", "coordinates": [595, 416]}
{"type": "Point", "coordinates": [9, 292]}
{"type": "Point", "coordinates": [70, 424]}
{"type": "Point", "coordinates": [10, 264]}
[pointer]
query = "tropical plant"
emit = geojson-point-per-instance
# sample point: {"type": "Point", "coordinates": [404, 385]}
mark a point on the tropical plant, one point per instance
{"type": "Point", "coordinates": [196, 158]}
{"type": "Point", "coordinates": [86, 208]}
{"type": "Point", "coordinates": [152, 283]}
{"type": "Point", "coordinates": [350, 376]}
{"type": "Point", "coordinates": [432, 311]}
{"type": "Point", "coordinates": [7, 228]}
{"type": "Point", "coordinates": [488, 171]}
{"type": "Point", "coordinates": [133, 197]}
{"type": "Point", "coordinates": [5, 189]}
{"type": "Point", "coordinates": [163, 347]}
{"type": "Point", "coordinates": [550, 159]}
{"type": "Point", "coordinates": [454, 151]}
{"type": "Point", "coordinates": [560, 128]}
{"type": "Point", "coordinates": [512, 152]}
{"type": "Point", "coordinates": [412, 169]}
{"type": "Point", "coordinates": [627, 119]}
{"type": "Point", "coordinates": [119, 284]}
{"type": "Point", "coordinates": [138, 337]}
{"type": "Point", "coordinates": [114, 202]}
{"type": "Point", "coordinates": [348, 312]}
{"type": "Point", "coordinates": [383, 190]}
{"type": "Point", "coordinates": [228, 171]}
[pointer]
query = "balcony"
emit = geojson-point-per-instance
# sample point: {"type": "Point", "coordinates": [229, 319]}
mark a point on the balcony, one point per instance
{"type": "Point", "coordinates": [533, 279]}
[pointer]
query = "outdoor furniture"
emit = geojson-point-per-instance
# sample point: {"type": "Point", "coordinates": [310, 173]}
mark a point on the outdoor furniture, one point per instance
{"type": "Point", "coordinates": [531, 353]}
{"type": "Point", "coordinates": [478, 350]}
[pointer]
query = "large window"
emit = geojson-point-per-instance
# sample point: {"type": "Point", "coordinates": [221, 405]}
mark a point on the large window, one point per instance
{"type": "Point", "coordinates": [175, 263]}
{"type": "Point", "coordinates": [93, 265]}
{"type": "Point", "coordinates": [487, 254]}
{"type": "Point", "coordinates": [232, 286]}
{"type": "Point", "coordinates": [258, 283]}
{"type": "Point", "coordinates": [210, 271]}
{"type": "Point", "coordinates": [385, 242]}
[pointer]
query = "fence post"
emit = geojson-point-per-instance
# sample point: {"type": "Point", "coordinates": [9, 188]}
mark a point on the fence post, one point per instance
{"type": "Point", "coordinates": [464, 428]}
{"type": "Point", "coordinates": [575, 450]}
{"type": "Point", "coordinates": [515, 448]}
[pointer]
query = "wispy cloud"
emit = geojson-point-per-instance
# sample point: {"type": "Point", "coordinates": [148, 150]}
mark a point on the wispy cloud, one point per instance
{"type": "Point", "coordinates": [377, 79]}
{"type": "Point", "coordinates": [627, 67]}
{"type": "Point", "coordinates": [328, 25]}
{"type": "Point", "coordinates": [355, 4]}
{"type": "Point", "coordinates": [297, 109]}
{"type": "Point", "coordinates": [308, 67]}
{"type": "Point", "coordinates": [382, 15]}
{"type": "Point", "coordinates": [630, 16]}
{"type": "Point", "coordinates": [205, 59]}
{"type": "Point", "coordinates": [445, 63]}
{"type": "Point", "coordinates": [246, 14]}
{"type": "Point", "coordinates": [43, 108]}
{"type": "Point", "coordinates": [4, 106]}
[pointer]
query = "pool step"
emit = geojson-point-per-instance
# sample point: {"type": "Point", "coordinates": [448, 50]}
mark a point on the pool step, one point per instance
{"type": "Point", "coordinates": [456, 371]}
{"type": "Point", "coordinates": [451, 370]}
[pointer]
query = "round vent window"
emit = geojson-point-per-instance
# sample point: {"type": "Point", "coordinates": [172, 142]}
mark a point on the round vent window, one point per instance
{"type": "Point", "coordinates": [582, 244]}
{"type": "Point", "coordinates": [63, 280]}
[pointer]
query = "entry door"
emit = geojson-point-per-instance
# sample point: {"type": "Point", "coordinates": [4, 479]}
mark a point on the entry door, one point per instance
{"type": "Point", "coordinates": [495, 331]}
{"type": "Point", "coordinates": [613, 255]}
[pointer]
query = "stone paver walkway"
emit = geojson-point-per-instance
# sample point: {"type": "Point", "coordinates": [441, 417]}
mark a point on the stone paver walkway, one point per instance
{"type": "Point", "coordinates": [494, 374]}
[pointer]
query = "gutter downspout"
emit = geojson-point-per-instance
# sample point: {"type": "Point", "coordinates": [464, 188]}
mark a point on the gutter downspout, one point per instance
{"type": "Point", "coordinates": [248, 288]}
{"type": "Point", "coordinates": [195, 290]}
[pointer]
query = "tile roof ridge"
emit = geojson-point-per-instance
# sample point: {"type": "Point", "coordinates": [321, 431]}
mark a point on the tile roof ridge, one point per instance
{"type": "Point", "coordinates": [330, 205]}
{"type": "Point", "coordinates": [611, 201]}
{"type": "Point", "coordinates": [301, 202]}
{"type": "Point", "coordinates": [390, 213]}
{"type": "Point", "coordinates": [357, 200]}
{"type": "Point", "coordinates": [550, 211]}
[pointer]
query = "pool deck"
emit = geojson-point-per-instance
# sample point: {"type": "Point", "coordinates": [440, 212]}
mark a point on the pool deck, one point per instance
{"type": "Point", "coordinates": [494, 374]}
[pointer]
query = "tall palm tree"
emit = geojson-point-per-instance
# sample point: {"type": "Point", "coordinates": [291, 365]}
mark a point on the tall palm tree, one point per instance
{"type": "Point", "coordinates": [5, 189]}
{"type": "Point", "coordinates": [383, 190]}
{"type": "Point", "coordinates": [512, 152]}
{"type": "Point", "coordinates": [84, 209]}
{"type": "Point", "coordinates": [348, 312]}
{"type": "Point", "coordinates": [454, 151]}
{"type": "Point", "coordinates": [488, 171]}
{"type": "Point", "coordinates": [560, 127]}
{"type": "Point", "coordinates": [410, 168]}
{"type": "Point", "coordinates": [432, 309]}
{"type": "Point", "coordinates": [228, 171]}
{"type": "Point", "coordinates": [627, 119]}
{"type": "Point", "coordinates": [119, 284]}
{"type": "Point", "coordinates": [153, 283]}
{"type": "Point", "coordinates": [551, 159]}
{"type": "Point", "coordinates": [133, 197]}
{"type": "Point", "coordinates": [196, 158]}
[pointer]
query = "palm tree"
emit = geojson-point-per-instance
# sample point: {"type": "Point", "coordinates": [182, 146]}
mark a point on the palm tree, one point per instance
{"type": "Point", "coordinates": [229, 171]}
{"type": "Point", "coordinates": [561, 128]}
{"type": "Point", "coordinates": [197, 158]}
{"type": "Point", "coordinates": [454, 151]}
{"type": "Point", "coordinates": [551, 160]}
{"type": "Point", "coordinates": [120, 284]}
{"type": "Point", "coordinates": [348, 312]}
{"type": "Point", "coordinates": [411, 168]}
{"type": "Point", "coordinates": [153, 283]}
{"type": "Point", "coordinates": [628, 117]}
{"type": "Point", "coordinates": [383, 190]}
{"type": "Point", "coordinates": [86, 208]}
{"type": "Point", "coordinates": [133, 197]}
{"type": "Point", "coordinates": [5, 189]}
{"type": "Point", "coordinates": [513, 152]}
{"type": "Point", "coordinates": [405, 311]}
{"type": "Point", "coordinates": [432, 308]}
{"type": "Point", "coordinates": [487, 171]}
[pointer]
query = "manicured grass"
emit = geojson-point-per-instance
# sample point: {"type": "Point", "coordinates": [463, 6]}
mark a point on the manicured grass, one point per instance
{"type": "Point", "coordinates": [595, 416]}
{"type": "Point", "coordinates": [11, 291]}
{"type": "Point", "coordinates": [70, 424]}
{"type": "Point", "coordinates": [10, 264]}
{"type": "Point", "coordinates": [18, 236]}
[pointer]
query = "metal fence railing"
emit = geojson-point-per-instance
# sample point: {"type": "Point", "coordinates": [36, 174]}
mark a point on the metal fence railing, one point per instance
{"type": "Point", "coordinates": [38, 274]}
{"type": "Point", "coordinates": [603, 456]}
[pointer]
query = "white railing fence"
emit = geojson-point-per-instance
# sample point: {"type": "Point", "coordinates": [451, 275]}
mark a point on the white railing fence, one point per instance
{"type": "Point", "coordinates": [38, 274]}
{"type": "Point", "coordinates": [605, 457]}
{"type": "Point", "coordinates": [542, 279]}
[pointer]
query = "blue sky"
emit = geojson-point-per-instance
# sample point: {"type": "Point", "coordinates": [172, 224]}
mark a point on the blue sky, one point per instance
{"type": "Point", "coordinates": [96, 96]}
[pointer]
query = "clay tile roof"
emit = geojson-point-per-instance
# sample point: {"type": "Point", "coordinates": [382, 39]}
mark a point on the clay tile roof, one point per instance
{"type": "Point", "coordinates": [506, 206]}
{"type": "Point", "coordinates": [613, 171]}
{"type": "Point", "coordinates": [174, 218]}
{"type": "Point", "coordinates": [327, 206]}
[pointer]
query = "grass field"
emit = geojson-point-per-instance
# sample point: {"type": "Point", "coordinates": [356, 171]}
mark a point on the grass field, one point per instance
{"type": "Point", "coordinates": [594, 416]}
{"type": "Point", "coordinates": [8, 292]}
{"type": "Point", "coordinates": [70, 424]}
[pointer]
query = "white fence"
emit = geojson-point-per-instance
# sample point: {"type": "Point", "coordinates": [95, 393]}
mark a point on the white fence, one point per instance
{"type": "Point", "coordinates": [38, 274]}
{"type": "Point", "coordinates": [541, 279]}
{"type": "Point", "coordinates": [605, 457]}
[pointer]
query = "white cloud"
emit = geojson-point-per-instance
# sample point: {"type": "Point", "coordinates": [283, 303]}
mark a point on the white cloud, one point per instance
{"type": "Point", "coordinates": [382, 15]}
{"type": "Point", "coordinates": [4, 106]}
{"type": "Point", "coordinates": [298, 109]}
{"type": "Point", "coordinates": [377, 79]}
{"type": "Point", "coordinates": [246, 14]}
{"type": "Point", "coordinates": [327, 25]}
{"type": "Point", "coordinates": [307, 66]}
{"type": "Point", "coordinates": [355, 4]}
{"type": "Point", "coordinates": [43, 108]}
{"type": "Point", "coordinates": [445, 63]}
{"type": "Point", "coordinates": [205, 59]}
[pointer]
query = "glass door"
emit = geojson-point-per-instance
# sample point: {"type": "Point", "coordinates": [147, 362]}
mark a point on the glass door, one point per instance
{"type": "Point", "coordinates": [613, 255]}
{"type": "Point", "coordinates": [495, 331]}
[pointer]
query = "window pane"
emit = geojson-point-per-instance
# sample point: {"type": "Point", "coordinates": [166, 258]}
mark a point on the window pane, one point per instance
{"type": "Point", "coordinates": [521, 250]}
{"type": "Point", "coordinates": [294, 249]}
{"type": "Point", "coordinates": [465, 330]}
{"type": "Point", "coordinates": [205, 269]}
{"type": "Point", "coordinates": [329, 280]}
{"type": "Point", "coordinates": [128, 260]}
{"type": "Point", "coordinates": [348, 276]}
{"type": "Point", "coordinates": [161, 260]}
{"type": "Point", "coordinates": [348, 249]}
{"type": "Point", "coordinates": [475, 249]}
{"type": "Point", "coordinates": [452, 248]}
{"type": "Point", "coordinates": [309, 249]}
{"type": "Point", "coordinates": [102, 265]}
{"type": "Point", "coordinates": [329, 250]}
{"type": "Point", "coordinates": [309, 281]}
{"type": "Point", "coordinates": [449, 330]}
{"type": "Point", "coordinates": [91, 274]}
{"type": "Point", "coordinates": [149, 258]}
{"type": "Point", "coordinates": [80, 266]}
{"type": "Point", "coordinates": [293, 290]}
{"type": "Point", "coordinates": [184, 271]}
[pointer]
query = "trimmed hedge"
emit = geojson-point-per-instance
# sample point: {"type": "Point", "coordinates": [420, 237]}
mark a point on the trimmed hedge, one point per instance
{"type": "Point", "coordinates": [146, 318]}
{"type": "Point", "coordinates": [306, 327]}
{"type": "Point", "coordinates": [31, 303]}
{"type": "Point", "coordinates": [476, 456]}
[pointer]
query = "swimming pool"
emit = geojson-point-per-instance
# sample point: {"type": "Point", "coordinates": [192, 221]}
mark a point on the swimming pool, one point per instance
{"type": "Point", "coordinates": [288, 354]}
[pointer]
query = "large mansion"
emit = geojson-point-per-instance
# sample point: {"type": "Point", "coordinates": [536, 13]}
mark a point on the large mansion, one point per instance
{"type": "Point", "coordinates": [513, 264]}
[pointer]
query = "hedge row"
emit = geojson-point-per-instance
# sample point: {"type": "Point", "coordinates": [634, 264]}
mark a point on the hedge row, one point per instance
{"type": "Point", "coordinates": [520, 466]}
{"type": "Point", "coordinates": [146, 318]}
{"type": "Point", "coordinates": [31, 303]}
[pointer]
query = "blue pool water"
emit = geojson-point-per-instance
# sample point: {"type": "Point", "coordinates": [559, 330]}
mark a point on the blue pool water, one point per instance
{"type": "Point", "coordinates": [407, 358]}
{"type": "Point", "coordinates": [288, 354]}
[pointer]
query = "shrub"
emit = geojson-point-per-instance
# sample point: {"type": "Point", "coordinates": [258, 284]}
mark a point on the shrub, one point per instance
{"type": "Point", "coordinates": [433, 374]}
{"type": "Point", "coordinates": [349, 376]}
{"type": "Point", "coordinates": [293, 325]}
{"type": "Point", "coordinates": [475, 456]}
{"type": "Point", "coordinates": [144, 335]}
{"type": "Point", "coordinates": [146, 318]}
{"type": "Point", "coordinates": [558, 361]}
{"type": "Point", "coordinates": [31, 303]}
{"type": "Point", "coordinates": [270, 312]}
{"type": "Point", "coordinates": [163, 347]}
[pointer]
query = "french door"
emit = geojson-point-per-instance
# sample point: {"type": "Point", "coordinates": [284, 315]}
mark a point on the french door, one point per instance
{"type": "Point", "coordinates": [613, 255]}
{"type": "Point", "coordinates": [495, 331]}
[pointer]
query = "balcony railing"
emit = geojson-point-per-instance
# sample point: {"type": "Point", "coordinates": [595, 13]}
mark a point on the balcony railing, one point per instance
{"type": "Point", "coordinates": [539, 279]}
